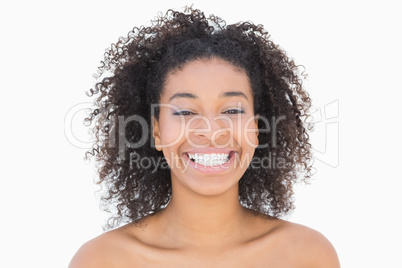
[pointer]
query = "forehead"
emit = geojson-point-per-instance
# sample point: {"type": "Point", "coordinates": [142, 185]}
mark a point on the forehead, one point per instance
{"type": "Point", "coordinates": [207, 78]}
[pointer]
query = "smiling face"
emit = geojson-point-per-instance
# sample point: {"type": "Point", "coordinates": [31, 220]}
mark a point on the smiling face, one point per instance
{"type": "Point", "coordinates": [206, 128]}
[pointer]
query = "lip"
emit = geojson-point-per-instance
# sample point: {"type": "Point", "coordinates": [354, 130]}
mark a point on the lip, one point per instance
{"type": "Point", "coordinates": [211, 169]}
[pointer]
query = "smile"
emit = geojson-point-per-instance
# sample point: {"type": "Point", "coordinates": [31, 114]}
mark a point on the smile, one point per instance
{"type": "Point", "coordinates": [210, 162]}
{"type": "Point", "coordinates": [209, 159]}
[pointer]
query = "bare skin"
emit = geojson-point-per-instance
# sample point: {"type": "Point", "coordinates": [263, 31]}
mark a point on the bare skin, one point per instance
{"type": "Point", "coordinates": [204, 224]}
{"type": "Point", "coordinates": [265, 243]}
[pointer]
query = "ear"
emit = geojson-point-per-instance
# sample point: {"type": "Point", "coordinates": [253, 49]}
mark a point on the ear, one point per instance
{"type": "Point", "coordinates": [156, 134]}
{"type": "Point", "coordinates": [256, 117]}
{"type": "Point", "coordinates": [257, 132]}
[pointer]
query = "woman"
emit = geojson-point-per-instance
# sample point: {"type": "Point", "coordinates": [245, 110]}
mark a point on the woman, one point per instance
{"type": "Point", "coordinates": [225, 110]}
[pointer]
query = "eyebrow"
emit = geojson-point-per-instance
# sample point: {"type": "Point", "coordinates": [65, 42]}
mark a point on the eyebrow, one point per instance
{"type": "Point", "coordinates": [234, 94]}
{"type": "Point", "coordinates": [183, 95]}
{"type": "Point", "coordinates": [224, 95]}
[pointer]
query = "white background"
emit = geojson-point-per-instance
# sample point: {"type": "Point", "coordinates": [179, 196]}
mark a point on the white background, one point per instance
{"type": "Point", "coordinates": [350, 49]}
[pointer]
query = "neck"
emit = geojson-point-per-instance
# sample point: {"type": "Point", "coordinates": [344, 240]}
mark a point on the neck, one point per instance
{"type": "Point", "coordinates": [204, 221]}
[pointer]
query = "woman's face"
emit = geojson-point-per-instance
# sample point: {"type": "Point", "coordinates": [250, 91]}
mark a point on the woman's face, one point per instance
{"type": "Point", "coordinates": [207, 129]}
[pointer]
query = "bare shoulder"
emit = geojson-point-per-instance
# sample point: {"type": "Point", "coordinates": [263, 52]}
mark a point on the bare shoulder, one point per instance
{"type": "Point", "coordinates": [107, 250]}
{"type": "Point", "coordinates": [308, 247]}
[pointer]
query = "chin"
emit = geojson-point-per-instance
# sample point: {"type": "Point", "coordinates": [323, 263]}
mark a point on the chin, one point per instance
{"type": "Point", "coordinates": [210, 185]}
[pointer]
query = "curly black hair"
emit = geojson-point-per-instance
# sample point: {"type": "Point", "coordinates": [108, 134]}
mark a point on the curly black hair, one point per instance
{"type": "Point", "coordinates": [132, 77]}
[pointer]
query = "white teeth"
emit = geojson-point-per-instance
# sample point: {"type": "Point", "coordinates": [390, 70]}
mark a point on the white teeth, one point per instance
{"type": "Point", "coordinates": [209, 159]}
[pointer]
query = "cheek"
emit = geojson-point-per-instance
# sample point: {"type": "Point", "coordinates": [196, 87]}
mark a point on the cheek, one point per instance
{"type": "Point", "coordinates": [252, 140]}
{"type": "Point", "coordinates": [250, 137]}
{"type": "Point", "coordinates": [171, 132]}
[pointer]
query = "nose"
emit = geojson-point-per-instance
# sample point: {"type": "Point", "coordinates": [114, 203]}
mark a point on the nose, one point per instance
{"type": "Point", "coordinates": [210, 129]}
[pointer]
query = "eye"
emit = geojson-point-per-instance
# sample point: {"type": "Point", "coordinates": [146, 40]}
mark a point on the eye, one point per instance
{"type": "Point", "coordinates": [184, 112]}
{"type": "Point", "coordinates": [234, 111]}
